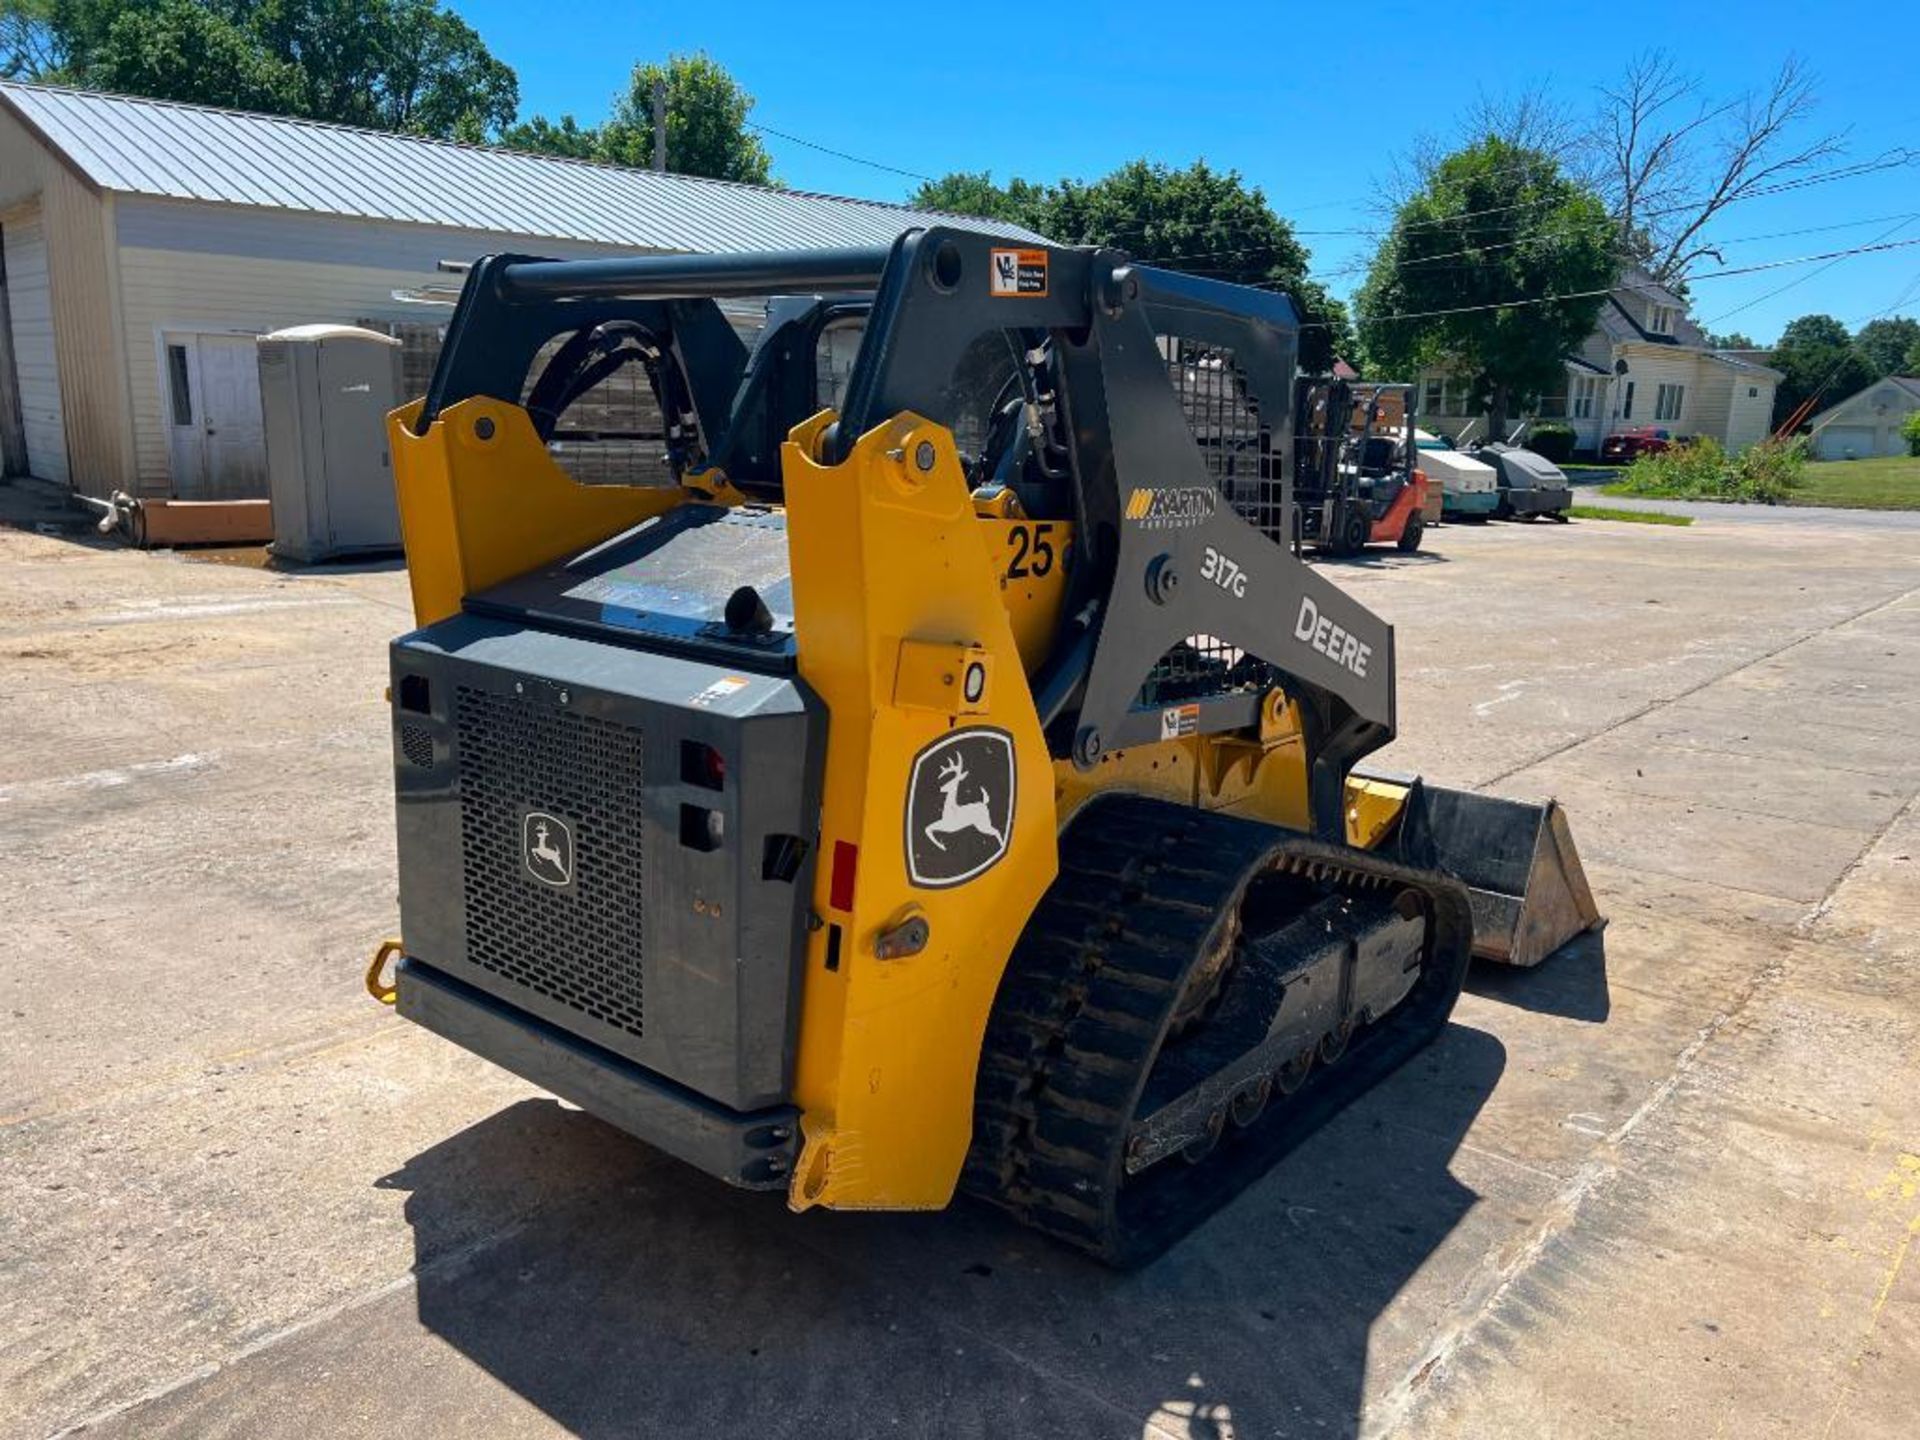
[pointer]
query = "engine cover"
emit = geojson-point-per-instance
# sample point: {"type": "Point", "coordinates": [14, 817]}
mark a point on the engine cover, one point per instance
{"type": "Point", "coordinates": [616, 841]}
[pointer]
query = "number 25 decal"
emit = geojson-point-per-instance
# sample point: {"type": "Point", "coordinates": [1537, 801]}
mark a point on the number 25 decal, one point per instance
{"type": "Point", "coordinates": [1032, 551]}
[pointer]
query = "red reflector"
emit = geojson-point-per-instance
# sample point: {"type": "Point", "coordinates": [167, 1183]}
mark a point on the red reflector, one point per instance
{"type": "Point", "coordinates": [846, 858]}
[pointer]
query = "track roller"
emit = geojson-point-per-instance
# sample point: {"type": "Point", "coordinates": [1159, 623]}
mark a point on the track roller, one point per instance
{"type": "Point", "coordinates": [1195, 994]}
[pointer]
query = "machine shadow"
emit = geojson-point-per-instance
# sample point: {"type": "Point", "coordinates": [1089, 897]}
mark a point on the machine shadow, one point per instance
{"type": "Point", "coordinates": [1380, 557]}
{"type": "Point", "coordinates": [622, 1293]}
{"type": "Point", "coordinates": [1570, 983]}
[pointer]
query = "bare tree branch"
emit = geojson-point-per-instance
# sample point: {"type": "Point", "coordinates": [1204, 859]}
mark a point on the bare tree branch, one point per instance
{"type": "Point", "coordinates": [1672, 161]}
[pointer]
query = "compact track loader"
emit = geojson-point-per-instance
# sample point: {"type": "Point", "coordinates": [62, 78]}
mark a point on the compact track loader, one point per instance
{"type": "Point", "coordinates": [945, 778]}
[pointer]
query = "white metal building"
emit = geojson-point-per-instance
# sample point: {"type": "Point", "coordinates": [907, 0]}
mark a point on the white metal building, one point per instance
{"type": "Point", "coordinates": [146, 244]}
{"type": "Point", "coordinates": [1867, 423]}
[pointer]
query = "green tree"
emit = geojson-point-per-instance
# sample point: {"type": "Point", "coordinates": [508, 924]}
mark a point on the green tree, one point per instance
{"type": "Point", "coordinates": [405, 65]}
{"type": "Point", "coordinates": [1732, 340]}
{"type": "Point", "coordinates": [1494, 269]}
{"type": "Point", "coordinates": [182, 51]}
{"type": "Point", "coordinates": [1887, 343]}
{"type": "Point", "coordinates": [1911, 365]}
{"type": "Point", "coordinates": [439, 78]}
{"type": "Point", "coordinates": [974, 193]}
{"type": "Point", "coordinates": [1197, 219]}
{"type": "Point", "coordinates": [707, 128]}
{"type": "Point", "coordinates": [1819, 361]}
{"type": "Point", "coordinates": [542, 136]}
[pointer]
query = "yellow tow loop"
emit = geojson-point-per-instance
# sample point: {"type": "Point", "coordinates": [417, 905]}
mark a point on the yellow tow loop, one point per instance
{"type": "Point", "coordinates": [382, 990]}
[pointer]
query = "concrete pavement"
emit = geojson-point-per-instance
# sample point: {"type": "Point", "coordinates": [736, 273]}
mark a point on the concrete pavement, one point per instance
{"type": "Point", "coordinates": [1666, 1185]}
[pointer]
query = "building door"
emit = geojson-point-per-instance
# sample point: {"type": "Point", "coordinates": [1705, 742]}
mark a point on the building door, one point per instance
{"type": "Point", "coordinates": [216, 436]}
{"type": "Point", "coordinates": [35, 380]}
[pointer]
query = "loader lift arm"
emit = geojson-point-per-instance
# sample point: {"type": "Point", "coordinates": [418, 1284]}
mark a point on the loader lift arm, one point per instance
{"type": "Point", "coordinates": [1142, 583]}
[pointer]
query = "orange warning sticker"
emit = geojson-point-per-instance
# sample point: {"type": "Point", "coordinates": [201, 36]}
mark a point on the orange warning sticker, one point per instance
{"type": "Point", "coordinates": [1019, 272]}
{"type": "Point", "coordinates": [1179, 720]}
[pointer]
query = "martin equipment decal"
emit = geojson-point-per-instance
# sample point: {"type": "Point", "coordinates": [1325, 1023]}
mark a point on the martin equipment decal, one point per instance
{"type": "Point", "coordinates": [546, 849]}
{"type": "Point", "coordinates": [1179, 720]}
{"type": "Point", "coordinates": [1330, 640]}
{"type": "Point", "coordinates": [1176, 509]}
{"type": "Point", "coordinates": [1019, 272]}
{"type": "Point", "coordinates": [960, 800]}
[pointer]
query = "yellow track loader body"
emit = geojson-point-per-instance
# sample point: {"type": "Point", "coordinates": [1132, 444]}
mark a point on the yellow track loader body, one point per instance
{"type": "Point", "coordinates": [864, 808]}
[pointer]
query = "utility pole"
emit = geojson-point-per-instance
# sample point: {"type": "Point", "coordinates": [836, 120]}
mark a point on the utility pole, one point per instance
{"type": "Point", "coordinates": [660, 126]}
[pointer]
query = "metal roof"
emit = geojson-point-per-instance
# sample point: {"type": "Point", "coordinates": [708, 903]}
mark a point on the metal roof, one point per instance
{"type": "Point", "coordinates": [194, 152]}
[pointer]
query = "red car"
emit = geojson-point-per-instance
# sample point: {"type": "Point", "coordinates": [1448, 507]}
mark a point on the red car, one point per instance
{"type": "Point", "coordinates": [1629, 445]}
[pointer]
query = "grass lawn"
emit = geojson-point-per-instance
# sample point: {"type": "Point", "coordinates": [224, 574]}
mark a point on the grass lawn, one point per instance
{"type": "Point", "coordinates": [1886, 484]}
{"type": "Point", "coordinates": [1632, 517]}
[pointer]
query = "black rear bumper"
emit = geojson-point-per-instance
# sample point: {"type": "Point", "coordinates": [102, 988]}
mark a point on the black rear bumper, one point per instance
{"type": "Point", "coordinates": [755, 1151]}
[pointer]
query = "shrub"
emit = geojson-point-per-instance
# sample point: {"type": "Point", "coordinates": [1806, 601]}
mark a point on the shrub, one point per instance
{"type": "Point", "coordinates": [1685, 472]}
{"type": "Point", "coordinates": [1766, 473]}
{"type": "Point", "coordinates": [1770, 471]}
{"type": "Point", "coordinates": [1910, 432]}
{"type": "Point", "coordinates": [1551, 442]}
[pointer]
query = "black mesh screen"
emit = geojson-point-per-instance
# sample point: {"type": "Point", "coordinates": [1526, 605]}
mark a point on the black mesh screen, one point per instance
{"type": "Point", "coordinates": [578, 944]}
{"type": "Point", "coordinates": [1224, 416]}
{"type": "Point", "coordinates": [1237, 447]}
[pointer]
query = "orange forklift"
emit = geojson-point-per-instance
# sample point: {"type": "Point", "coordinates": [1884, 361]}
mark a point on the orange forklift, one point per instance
{"type": "Point", "coordinates": [1354, 479]}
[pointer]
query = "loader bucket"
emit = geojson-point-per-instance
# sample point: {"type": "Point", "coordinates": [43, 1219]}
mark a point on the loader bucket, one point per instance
{"type": "Point", "coordinates": [1518, 862]}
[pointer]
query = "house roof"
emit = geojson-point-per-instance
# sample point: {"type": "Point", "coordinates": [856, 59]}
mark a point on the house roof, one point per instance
{"type": "Point", "coordinates": [1580, 363]}
{"type": "Point", "coordinates": [194, 152]}
{"type": "Point", "coordinates": [1736, 362]}
{"type": "Point", "coordinates": [1910, 384]}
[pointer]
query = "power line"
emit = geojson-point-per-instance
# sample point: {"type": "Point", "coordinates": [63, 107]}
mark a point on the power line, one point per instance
{"type": "Point", "coordinates": [1734, 240]}
{"type": "Point", "coordinates": [1853, 347]}
{"type": "Point", "coordinates": [837, 154]}
{"type": "Point", "coordinates": [1802, 279]}
{"type": "Point", "coordinates": [1886, 160]}
{"type": "Point", "coordinates": [1891, 159]}
{"type": "Point", "coordinates": [1591, 294]}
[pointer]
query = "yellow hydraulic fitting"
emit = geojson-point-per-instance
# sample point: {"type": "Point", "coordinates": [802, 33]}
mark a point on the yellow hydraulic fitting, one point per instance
{"type": "Point", "coordinates": [383, 991]}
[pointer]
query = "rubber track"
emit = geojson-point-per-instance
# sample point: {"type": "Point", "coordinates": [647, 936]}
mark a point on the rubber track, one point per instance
{"type": "Point", "coordinates": [1145, 889]}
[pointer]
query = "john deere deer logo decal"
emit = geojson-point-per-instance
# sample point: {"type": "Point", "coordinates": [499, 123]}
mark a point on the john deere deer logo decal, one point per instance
{"type": "Point", "coordinates": [546, 848]}
{"type": "Point", "coordinates": [960, 800]}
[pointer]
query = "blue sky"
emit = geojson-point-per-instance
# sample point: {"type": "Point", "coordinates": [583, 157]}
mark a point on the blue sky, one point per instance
{"type": "Point", "coordinates": [1309, 102]}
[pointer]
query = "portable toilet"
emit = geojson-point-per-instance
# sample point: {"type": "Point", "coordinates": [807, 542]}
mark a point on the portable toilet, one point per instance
{"type": "Point", "coordinates": [325, 391]}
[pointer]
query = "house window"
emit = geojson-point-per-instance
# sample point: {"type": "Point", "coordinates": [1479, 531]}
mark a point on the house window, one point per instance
{"type": "Point", "coordinates": [1584, 390]}
{"type": "Point", "coordinates": [1667, 401]}
{"type": "Point", "coordinates": [1753, 392]}
{"type": "Point", "coordinates": [178, 391]}
{"type": "Point", "coordinates": [1434, 397]}
{"type": "Point", "coordinates": [1626, 402]}
{"type": "Point", "coordinates": [1662, 320]}
{"type": "Point", "coordinates": [1456, 398]}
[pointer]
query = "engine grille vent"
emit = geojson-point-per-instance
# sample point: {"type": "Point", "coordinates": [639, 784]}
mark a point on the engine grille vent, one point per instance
{"type": "Point", "coordinates": [416, 743]}
{"type": "Point", "coordinates": [578, 945]}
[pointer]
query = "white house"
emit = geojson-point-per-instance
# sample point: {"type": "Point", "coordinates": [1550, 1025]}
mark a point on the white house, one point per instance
{"type": "Point", "coordinates": [1646, 363]}
{"type": "Point", "coordinates": [1867, 423]}
{"type": "Point", "coordinates": [146, 245]}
